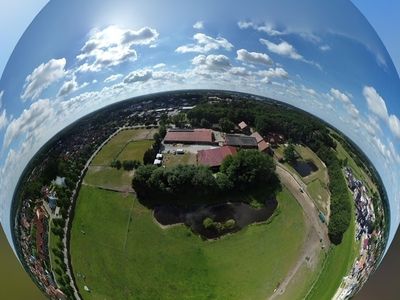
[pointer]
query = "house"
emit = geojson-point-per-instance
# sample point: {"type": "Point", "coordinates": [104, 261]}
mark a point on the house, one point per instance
{"type": "Point", "coordinates": [244, 127]}
{"type": "Point", "coordinates": [264, 146]}
{"type": "Point", "coordinates": [214, 157]}
{"type": "Point", "coordinates": [241, 141]}
{"type": "Point", "coordinates": [189, 136]}
{"type": "Point", "coordinates": [257, 136]}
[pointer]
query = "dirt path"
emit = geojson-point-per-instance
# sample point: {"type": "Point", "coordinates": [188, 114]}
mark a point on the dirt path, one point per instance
{"type": "Point", "coordinates": [317, 236]}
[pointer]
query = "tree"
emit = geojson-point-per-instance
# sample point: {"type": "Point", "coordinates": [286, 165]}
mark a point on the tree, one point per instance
{"type": "Point", "coordinates": [208, 223]}
{"type": "Point", "coordinates": [162, 131]}
{"type": "Point", "coordinates": [149, 156]}
{"type": "Point", "coordinates": [179, 120]}
{"type": "Point", "coordinates": [290, 154]}
{"type": "Point", "coordinates": [226, 125]}
{"type": "Point", "coordinates": [116, 164]}
{"type": "Point", "coordinates": [250, 169]}
{"type": "Point", "coordinates": [129, 165]}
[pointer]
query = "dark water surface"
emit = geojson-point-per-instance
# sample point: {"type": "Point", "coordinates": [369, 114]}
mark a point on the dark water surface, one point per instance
{"type": "Point", "coordinates": [15, 284]}
{"type": "Point", "coordinates": [242, 213]}
{"type": "Point", "coordinates": [305, 168]}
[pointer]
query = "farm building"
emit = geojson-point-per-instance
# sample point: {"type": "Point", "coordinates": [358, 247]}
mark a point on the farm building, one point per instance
{"type": "Point", "coordinates": [189, 136]}
{"type": "Point", "coordinates": [244, 127]}
{"type": "Point", "coordinates": [257, 136]}
{"type": "Point", "coordinates": [241, 141]}
{"type": "Point", "coordinates": [214, 157]}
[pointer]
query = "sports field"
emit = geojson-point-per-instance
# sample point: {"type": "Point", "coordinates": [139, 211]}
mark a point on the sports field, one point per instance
{"type": "Point", "coordinates": [117, 144]}
{"type": "Point", "coordinates": [124, 254]}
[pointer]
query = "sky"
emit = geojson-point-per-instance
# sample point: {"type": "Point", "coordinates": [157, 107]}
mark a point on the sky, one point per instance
{"type": "Point", "coordinates": [324, 58]}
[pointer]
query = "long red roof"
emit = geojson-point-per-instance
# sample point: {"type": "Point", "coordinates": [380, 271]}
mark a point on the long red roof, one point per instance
{"type": "Point", "coordinates": [189, 136]}
{"type": "Point", "coordinates": [214, 157]}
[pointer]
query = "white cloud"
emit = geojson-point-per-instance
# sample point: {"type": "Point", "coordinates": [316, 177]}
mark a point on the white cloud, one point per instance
{"type": "Point", "coordinates": [138, 76]}
{"type": "Point", "coordinates": [42, 77]}
{"type": "Point", "coordinates": [30, 119]}
{"type": "Point", "coordinates": [3, 120]}
{"type": "Point", "coordinates": [273, 73]}
{"type": "Point", "coordinates": [283, 48]}
{"type": "Point", "coordinates": [267, 28]}
{"type": "Point", "coordinates": [112, 46]}
{"type": "Point", "coordinates": [1, 98]}
{"type": "Point", "coordinates": [338, 95]}
{"type": "Point", "coordinates": [159, 66]}
{"type": "Point", "coordinates": [68, 87]}
{"type": "Point", "coordinates": [324, 48]}
{"type": "Point", "coordinates": [204, 44]}
{"type": "Point", "coordinates": [199, 25]}
{"type": "Point", "coordinates": [375, 102]}
{"type": "Point", "coordinates": [394, 125]}
{"type": "Point", "coordinates": [215, 63]}
{"type": "Point", "coordinates": [112, 78]}
{"type": "Point", "coordinates": [253, 57]}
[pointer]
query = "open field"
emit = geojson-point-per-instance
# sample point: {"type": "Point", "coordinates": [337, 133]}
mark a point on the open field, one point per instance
{"type": "Point", "coordinates": [125, 255]}
{"type": "Point", "coordinates": [109, 178]}
{"type": "Point", "coordinates": [317, 182]}
{"type": "Point", "coordinates": [171, 160]}
{"type": "Point", "coordinates": [135, 150]}
{"type": "Point", "coordinates": [114, 147]}
{"type": "Point", "coordinates": [53, 240]}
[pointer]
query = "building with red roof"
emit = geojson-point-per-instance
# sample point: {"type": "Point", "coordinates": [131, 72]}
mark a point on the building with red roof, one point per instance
{"type": "Point", "coordinates": [189, 136]}
{"type": "Point", "coordinates": [214, 157]}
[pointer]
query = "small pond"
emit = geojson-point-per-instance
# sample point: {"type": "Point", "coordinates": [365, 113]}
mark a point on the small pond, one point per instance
{"type": "Point", "coordinates": [193, 217]}
{"type": "Point", "coordinates": [304, 168]}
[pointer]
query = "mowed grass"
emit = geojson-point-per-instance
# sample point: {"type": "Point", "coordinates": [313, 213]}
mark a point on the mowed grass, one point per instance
{"type": "Point", "coordinates": [109, 178]}
{"type": "Point", "coordinates": [113, 148]}
{"type": "Point", "coordinates": [319, 192]}
{"type": "Point", "coordinates": [171, 160]}
{"type": "Point", "coordinates": [135, 150]}
{"type": "Point", "coordinates": [126, 255]}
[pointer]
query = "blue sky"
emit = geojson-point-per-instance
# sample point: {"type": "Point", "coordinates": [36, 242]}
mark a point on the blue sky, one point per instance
{"type": "Point", "coordinates": [324, 58]}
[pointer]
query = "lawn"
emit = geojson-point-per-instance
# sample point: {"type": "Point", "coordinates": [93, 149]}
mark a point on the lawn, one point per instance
{"type": "Point", "coordinates": [124, 254]}
{"type": "Point", "coordinates": [319, 192]}
{"type": "Point", "coordinates": [171, 160]}
{"type": "Point", "coordinates": [53, 241]}
{"type": "Point", "coordinates": [113, 148]}
{"type": "Point", "coordinates": [109, 178]}
{"type": "Point", "coordinates": [135, 150]}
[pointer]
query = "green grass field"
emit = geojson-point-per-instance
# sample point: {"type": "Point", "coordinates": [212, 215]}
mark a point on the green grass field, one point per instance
{"type": "Point", "coordinates": [124, 254]}
{"type": "Point", "coordinates": [114, 147]}
{"type": "Point", "coordinates": [171, 160]}
{"type": "Point", "coordinates": [110, 178]}
{"type": "Point", "coordinates": [320, 193]}
{"type": "Point", "coordinates": [135, 150]}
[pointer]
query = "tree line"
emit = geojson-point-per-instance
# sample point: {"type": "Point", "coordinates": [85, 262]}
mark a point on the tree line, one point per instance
{"type": "Point", "coordinates": [244, 172]}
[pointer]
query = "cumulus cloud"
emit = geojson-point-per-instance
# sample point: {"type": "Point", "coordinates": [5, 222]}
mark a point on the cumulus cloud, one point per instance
{"type": "Point", "coordinates": [253, 57]}
{"type": "Point", "coordinates": [204, 44]}
{"type": "Point", "coordinates": [159, 66]}
{"type": "Point", "coordinates": [138, 76]}
{"type": "Point", "coordinates": [214, 63]}
{"type": "Point", "coordinates": [283, 49]}
{"type": "Point", "coordinates": [68, 87]}
{"type": "Point", "coordinates": [112, 78]}
{"type": "Point", "coordinates": [112, 46]}
{"type": "Point", "coordinates": [375, 102]}
{"type": "Point", "coordinates": [199, 25]}
{"type": "Point", "coordinates": [273, 73]}
{"type": "Point", "coordinates": [338, 95]}
{"type": "Point", "coordinates": [30, 119]}
{"type": "Point", "coordinates": [42, 77]}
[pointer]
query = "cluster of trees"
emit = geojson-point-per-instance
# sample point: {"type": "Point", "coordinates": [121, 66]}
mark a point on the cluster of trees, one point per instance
{"type": "Point", "coordinates": [127, 165]}
{"type": "Point", "coordinates": [209, 223]}
{"type": "Point", "coordinates": [290, 154]}
{"type": "Point", "coordinates": [188, 184]}
{"type": "Point", "coordinates": [340, 199]}
{"type": "Point", "coordinates": [150, 154]}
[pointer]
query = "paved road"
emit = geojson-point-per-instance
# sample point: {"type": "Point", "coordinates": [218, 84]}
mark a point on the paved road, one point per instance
{"type": "Point", "coordinates": [317, 232]}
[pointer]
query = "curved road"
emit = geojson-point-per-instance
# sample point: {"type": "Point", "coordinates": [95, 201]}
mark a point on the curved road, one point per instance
{"type": "Point", "coordinates": [317, 236]}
